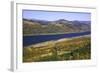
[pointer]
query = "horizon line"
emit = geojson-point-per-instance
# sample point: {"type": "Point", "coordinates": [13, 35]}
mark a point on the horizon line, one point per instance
{"type": "Point", "coordinates": [54, 20]}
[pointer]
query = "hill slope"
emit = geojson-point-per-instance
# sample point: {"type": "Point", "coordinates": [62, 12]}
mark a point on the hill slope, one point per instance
{"type": "Point", "coordinates": [37, 27]}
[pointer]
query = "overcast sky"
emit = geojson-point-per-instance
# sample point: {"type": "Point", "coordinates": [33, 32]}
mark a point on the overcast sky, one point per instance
{"type": "Point", "coordinates": [51, 16]}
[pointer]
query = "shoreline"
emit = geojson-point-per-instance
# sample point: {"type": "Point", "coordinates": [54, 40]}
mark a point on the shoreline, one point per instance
{"type": "Point", "coordinates": [55, 41]}
{"type": "Point", "coordinates": [53, 33]}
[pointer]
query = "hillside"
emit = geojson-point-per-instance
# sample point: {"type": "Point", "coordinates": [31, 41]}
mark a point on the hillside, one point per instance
{"type": "Point", "coordinates": [63, 49]}
{"type": "Point", "coordinates": [37, 27]}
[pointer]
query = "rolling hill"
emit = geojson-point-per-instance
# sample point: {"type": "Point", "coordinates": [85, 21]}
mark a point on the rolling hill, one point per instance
{"type": "Point", "coordinates": [38, 27]}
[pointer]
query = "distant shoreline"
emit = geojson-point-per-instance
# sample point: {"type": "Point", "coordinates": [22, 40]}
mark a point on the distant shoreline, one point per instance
{"type": "Point", "coordinates": [53, 33]}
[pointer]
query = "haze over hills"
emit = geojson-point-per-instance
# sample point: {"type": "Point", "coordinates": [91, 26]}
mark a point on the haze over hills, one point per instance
{"type": "Point", "coordinates": [37, 27]}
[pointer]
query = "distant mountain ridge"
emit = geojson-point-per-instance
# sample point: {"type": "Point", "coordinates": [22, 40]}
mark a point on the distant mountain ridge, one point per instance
{"type": "Point", "coordinates": [37, 27]}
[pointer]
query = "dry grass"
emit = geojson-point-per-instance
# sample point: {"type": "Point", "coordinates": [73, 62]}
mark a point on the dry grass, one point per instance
{"type": "Point", "coordinates": [73, 49]}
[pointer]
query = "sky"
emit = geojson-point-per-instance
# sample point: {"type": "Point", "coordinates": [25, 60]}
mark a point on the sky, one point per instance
{"type": "Point", "coordinates": [52, 16]}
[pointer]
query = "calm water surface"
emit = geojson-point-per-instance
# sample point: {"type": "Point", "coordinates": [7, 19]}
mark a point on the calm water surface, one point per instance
{"type": "Point", "coordinates": [29, 40]}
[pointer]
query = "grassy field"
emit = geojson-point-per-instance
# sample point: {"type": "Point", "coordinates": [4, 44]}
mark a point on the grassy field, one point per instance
{"type": "Point", "coordinates": [60, 50]}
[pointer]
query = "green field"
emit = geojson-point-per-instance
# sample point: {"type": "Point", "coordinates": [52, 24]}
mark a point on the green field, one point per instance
{"type": "Point", "coordinates": [60, 50]}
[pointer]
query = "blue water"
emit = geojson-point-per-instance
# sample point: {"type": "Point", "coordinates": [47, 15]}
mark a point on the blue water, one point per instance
{"type": "Point", "coordinates": [29, 40]}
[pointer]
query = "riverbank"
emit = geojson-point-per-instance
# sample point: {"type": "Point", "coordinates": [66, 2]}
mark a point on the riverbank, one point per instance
{"type": "Point", "coordinates": [56, 41]}
{"type": "Point", "coordinates": [52, 33]}
{"type": "Point", "coordinates": [77, 48]}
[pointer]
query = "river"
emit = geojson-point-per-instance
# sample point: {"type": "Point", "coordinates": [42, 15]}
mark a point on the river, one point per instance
{"type": "Point", "coordinates": [29, 40]}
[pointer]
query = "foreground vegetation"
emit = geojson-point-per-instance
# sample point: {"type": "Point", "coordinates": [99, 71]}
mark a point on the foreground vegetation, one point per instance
{"type": "Point", "coordinates": [67, 49]}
